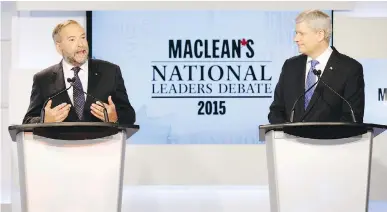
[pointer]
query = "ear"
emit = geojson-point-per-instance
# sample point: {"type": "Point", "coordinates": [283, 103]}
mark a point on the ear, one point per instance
{"type": "Point", "coordinates": [320, 35]}
{"type": "Point", "coordinates": [58, 48]}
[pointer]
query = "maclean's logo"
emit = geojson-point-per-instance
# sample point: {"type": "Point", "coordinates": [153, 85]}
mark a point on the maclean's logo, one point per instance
{"type": "Point", "coordinates": [201, 48]}
{"type": "Point", "coordinates": [382, 94]}
{"type": "Point", "coordinates": [198, 68]}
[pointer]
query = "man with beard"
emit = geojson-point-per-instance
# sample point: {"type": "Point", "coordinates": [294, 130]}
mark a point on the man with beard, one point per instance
{"type": "Point", "coordinates": [101, 79]}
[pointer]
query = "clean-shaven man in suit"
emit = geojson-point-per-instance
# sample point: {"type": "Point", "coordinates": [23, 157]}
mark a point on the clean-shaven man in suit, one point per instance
{"type": "Point", "coordinates": [101, 79]}
{"type": "Point", "coordinates": [342, 73]}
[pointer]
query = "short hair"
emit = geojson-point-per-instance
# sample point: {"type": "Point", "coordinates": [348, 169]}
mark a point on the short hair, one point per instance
{"type": "Point", "coordinates": [317, 20]}
{"type": "Point", "coordinates": [59, 27]}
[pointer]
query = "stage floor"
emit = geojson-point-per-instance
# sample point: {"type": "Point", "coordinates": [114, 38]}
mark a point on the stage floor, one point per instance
{"type": "Point", "coordinates": [200, 198]}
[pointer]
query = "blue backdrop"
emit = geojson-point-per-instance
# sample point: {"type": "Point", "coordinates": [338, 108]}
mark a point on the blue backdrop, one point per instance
{"type": "Point", "coordinates": [197, 77]}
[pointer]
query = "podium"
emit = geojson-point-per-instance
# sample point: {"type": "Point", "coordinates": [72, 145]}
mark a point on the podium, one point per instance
{"type": "Point", "coordinates": [319, 167]}
{"type": "Point", "coordinates": [71, 166]}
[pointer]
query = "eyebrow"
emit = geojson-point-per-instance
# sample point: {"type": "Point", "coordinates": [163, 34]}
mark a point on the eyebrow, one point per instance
{"type": "Point", "coordinates": [83, 34]}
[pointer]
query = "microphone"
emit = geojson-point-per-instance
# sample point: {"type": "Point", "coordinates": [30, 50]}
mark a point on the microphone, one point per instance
{"type": "Point", "coordinates": [318, 73]}
{"type": "Point", "coordinates": [43, 111]}
{"type": "Point", "coordinates": [72, 81]}
{"type": "Point", "coordinates": [298, 99]}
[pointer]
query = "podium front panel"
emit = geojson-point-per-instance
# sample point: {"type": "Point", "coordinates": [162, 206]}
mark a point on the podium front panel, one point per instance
{"type": "Point", "coordinates": [70, 176]}
{"type": "Point", "coordinates": [318, 175]}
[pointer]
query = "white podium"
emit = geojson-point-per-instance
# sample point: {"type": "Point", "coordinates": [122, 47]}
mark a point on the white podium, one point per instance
{"type": "Point", "coordinates": [71, 167]}
{"type": "Point", "coordinates": [319, 167]}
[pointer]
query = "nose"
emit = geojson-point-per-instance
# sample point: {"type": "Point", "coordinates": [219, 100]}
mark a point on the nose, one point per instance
{"type": "Point", "coordinates": [83, 43]}
{"type": "Point", "coordinates": [296, 38]}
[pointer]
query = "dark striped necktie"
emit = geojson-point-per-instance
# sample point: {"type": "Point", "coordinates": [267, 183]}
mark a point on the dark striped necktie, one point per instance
{"type": "Point", "coordinates": [78, 95]}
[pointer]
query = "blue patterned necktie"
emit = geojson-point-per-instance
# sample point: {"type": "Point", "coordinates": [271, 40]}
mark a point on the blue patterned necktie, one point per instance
{"type": "Point", "coordinates": [78, 96]}
{"type": "Point", "coordinates": [310, 80]}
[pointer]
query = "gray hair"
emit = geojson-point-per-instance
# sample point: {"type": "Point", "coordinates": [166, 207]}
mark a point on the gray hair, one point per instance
{"type": "Point", "coordinates": [59, 27]}
{"type": "Point", "coordinates": [317, 20]}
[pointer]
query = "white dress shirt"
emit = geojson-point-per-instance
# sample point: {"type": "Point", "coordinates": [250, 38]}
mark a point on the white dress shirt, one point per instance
{"type": "Point", "coordinates": [322, 62]}
{"type": "Point", "coordinates": [83, 76]}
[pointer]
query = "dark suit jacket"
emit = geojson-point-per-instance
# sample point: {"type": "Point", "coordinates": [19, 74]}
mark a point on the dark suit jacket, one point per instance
{"type": "Point", "coordinates": [345, 77]}
{"type": "Point", "coordinates": [104, 79]}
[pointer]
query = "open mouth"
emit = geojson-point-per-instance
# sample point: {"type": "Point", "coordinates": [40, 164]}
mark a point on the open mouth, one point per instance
{"type": "Point", "coordinates": [81, 52]}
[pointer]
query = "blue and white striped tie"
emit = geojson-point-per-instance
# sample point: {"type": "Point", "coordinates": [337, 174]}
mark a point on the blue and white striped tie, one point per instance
{"type": "Point", "coordinates": [310, 80]}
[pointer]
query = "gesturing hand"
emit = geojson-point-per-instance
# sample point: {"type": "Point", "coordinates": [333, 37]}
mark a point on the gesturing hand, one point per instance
{"type": "Point", "coordinates": [56, 114]}
{"type": "Point", "coordinates": [97, 110]}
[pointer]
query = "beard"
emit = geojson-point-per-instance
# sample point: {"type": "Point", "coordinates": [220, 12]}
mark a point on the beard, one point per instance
{"type": "Point", "coordinates": [72, 59]}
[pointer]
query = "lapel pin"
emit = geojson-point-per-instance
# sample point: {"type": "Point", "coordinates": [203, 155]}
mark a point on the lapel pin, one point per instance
{"type": "Point", "coordinates": [331, 68]}
{"type": "Point", "coordinates": [96, 74]}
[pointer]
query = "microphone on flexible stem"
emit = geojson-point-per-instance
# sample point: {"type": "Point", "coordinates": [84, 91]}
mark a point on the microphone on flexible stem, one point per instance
{"type": "Point", "coordinates": [43, 111]}
{"type": "Point", "coordinates": [318, 73]}
{"type": "Point", "coordinates": [106, 117]}
{"type": "Point", "coordinates": [298, 99]}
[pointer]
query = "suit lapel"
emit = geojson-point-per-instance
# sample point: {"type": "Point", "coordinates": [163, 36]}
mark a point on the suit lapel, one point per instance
{"type": "Point", "coordinates": [59, 85]}
{"type": "Point", "coordinates": [300, 87]}
{"type": "Point", "coordinates": [327, 76]}
{"type": "Point", "coordinates": [94, 75]}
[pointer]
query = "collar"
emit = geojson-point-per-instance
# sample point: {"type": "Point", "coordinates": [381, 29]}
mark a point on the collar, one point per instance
{"type": "Point", "coordinates": [324, 57]}
{"type": "Point", "coordinates": [68, 66]}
